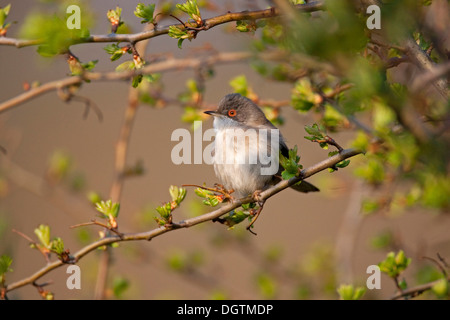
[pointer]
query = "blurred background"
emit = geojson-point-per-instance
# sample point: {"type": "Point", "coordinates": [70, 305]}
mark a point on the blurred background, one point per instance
{"type": "Point", "coordinates": [306, 244]}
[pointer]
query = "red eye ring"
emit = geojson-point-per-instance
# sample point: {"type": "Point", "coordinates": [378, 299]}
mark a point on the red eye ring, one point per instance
{"type": "Point", "coordinates": [232, 112]}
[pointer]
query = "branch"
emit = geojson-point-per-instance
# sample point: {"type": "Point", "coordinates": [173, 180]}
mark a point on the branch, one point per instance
{"type": "Point", "coordinates": [207, 24]}
{"type": "Point", "coordinates": [148, 235]}
{"type": "Point", "coordinates": [170, 64]}
{"type": "Point", "coordinates": [415, 291]}
{"type": "Point", "coordinates": [423, 62]}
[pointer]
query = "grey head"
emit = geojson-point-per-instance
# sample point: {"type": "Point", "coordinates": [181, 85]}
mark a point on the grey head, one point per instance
{"type": "Point", "coordinates": [237, 110]}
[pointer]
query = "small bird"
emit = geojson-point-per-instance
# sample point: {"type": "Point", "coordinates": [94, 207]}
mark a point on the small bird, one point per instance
{"type": "Point", "coordinates": [242, 176]}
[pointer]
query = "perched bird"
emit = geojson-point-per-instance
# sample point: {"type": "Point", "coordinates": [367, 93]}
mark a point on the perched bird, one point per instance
{"type": "Point", "coordinates": [235, 121]}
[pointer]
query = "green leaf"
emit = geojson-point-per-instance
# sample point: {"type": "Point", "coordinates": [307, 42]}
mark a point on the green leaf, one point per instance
{"type": "Point", "coordinates": [43, 234]}
{"type": "Point", "coordinates": [349, 292]}
{"type": "Point", "coordinates": [440, 288]}
{"type": "Point", "coordinates": [303, 97]}
{"type": "Point", "coordinates": [177, 194]}
{"type": "Point", "coordinates": [4, 14]}
{"type": "Point", "coordinates": [57, 245]}
{"type": "Point", "coordinates": [52, 30]}
{"type": "Point", "coordinates": [177, 261]}
{"type": "Point", "coordinates": [145, 12]}
{"type": "Point", "coordinates": [211, 199]}
{"type": "Point", "coordinates": [240, 85]}
{"type": "Point", "coordinates": [111, 48]}
{"type": "Point", "coordinates": [267, 285]}
{"type": "Point", "coordinates": [235, 217]}
{"type": "Point", "coordinates": [369, 206]}
{"type": "Point", "coordinates": [315, 130]}
{"type": "Point", "coordinates": [343, 164]}
{"type": "Point", "coordinates": [191, 8]}
{"type": "Point", "coordinates": [60, 165]}
{"type": "Point", "coordinates": [115, 51]}
{"type": "Point", "coordinates": [246, 26]}
{"type": "Point", "coordinates": [291, 165]}
{"type": "Point", "coordinates": [94, 197]}
{"type": "Point", "coordinates": [125, 66]}
{"type": "Point", "coordinates": [89, 65]}
{"type": "Point", "coordinates": [332, 153]}
{"type": "Point", "coordinates": [5, 263]}
{"type": "Point", "coordinates": [120, 285]}
{"type": "Point", "coordinates": [108, 208]}
{"type": "Point", "coordinates": [136, 80]}
{"type": "Point", "coordinates": [394, 264]}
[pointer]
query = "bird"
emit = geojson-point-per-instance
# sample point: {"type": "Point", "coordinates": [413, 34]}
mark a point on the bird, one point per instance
{"type": "Point", "coordinates": [235, 117]}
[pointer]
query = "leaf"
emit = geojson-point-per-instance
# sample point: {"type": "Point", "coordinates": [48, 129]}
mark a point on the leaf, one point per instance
{"type": "Point", "coordinates": [43, 234]}
{"type": "Point", "coordinates": [332, 153]}
{"type": "Point", "coordinates": [343, 164]}
{"type": "Point", "coordinates": [177, 194]}
{"type": "Point", "coordinates": [291, 165]}
{"type": "Point", "coordinates": [4, 14]}
{"type": "Point", "coordinates": [180, 43]}
{"type": "Point", "coordinates": [245, 26]}
{"type": "Point", "coordinates": [136, 80]}
{"type": "Point", "coordinates": [240, 85]}
{"type": "Point", "coordinates": [349, 292]}
{"type": "Point", "coordinates": [5, 263]}
{"type": "Point", "coordinates": [303, 97]}
{"type": "Point", "coordinates": [57, 245]}
{"type": "Point", "coordinates": [125, 66]}
{"type": "Point", "coordinates": [440, 288]}
{"type": "Point", "coordinates": [111, 48]}
{"type": "Point", "coordinates": [115, 51]}
{"type": "Point", "coordinates": [394, 264]}
{"type": "Point", "coordinates": [191, 8]}
{"type": "Point", "coordinates": [145, 12]}
{"type": "Point", "coordinates": [89, 65]}
{"type": "Point", "coordinates": [120, 285]}
{"type": "Point", "coordinates": [52, 31]}
{"type": "Point", "coordinates": [108, 209]}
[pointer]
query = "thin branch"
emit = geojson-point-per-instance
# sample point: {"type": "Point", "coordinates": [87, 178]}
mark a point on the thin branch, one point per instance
{"type": "Point", "coordinates": [423, 62]}
{"type": "Point", "coordinates": [415, 291]}
{"type": "Point", "coordinates": [170, 64]}
{"type": "Point", "coordinates": [95, 222]}
{"type": "Point", "coordinates": [148, 235]}
{"type": "Point", "coordinates": [207, 24]}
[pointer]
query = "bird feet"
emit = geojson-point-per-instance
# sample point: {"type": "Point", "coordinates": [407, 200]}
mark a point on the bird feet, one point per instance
{"type": "Point", "coordinates": [222, 190]}
{"type": "Point", "coordinates": [256, 212]}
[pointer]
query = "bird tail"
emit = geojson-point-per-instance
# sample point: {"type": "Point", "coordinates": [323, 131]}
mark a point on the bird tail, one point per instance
{"type": "Point", "coordinates": [305, 187]}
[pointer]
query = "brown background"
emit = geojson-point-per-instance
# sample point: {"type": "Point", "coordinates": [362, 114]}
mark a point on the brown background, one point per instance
{"type": "Point", "coordinates": [295, 222]}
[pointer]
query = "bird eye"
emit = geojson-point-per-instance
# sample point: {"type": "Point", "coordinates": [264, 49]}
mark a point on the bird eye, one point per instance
{"type": "Point", "coordinates": [232, 113]}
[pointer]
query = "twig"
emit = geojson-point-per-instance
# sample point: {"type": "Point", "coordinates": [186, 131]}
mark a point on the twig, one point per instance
{"type": "Point", "coordinates": [423, 61]}
{"type": "Point", "coordinates": [34, 244]}
{"type": "Point", "coordinates": [95, 222]}
{"type": "Point", "coordinates": [329, 140]}
{"type": "Point", "coordinates": [415, 291]}
{"type": "Point", "coordinates": [208, 23]}
{"type": "Point", "coordinates": [264, 195]}
{"type": "Point", "coordinates": [170, 64]}
{"type": "Point", "coordinates": [444, 272]}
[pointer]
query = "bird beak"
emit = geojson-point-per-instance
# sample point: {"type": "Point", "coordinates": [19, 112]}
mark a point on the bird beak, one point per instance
{"type": "Point", "coordinates": [211, 113]}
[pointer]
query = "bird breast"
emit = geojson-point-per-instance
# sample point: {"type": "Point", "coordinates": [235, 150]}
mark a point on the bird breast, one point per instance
{"type": "Point", "coordinates": [237, 160]}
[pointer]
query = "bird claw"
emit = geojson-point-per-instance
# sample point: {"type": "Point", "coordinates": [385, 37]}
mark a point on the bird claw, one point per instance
{"type": "Point", "coordinates": [255, 213]}
{"type": "Point", "coordinates": [258, 199]}
{"type": "Point", "coordinates": [225, 192]}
